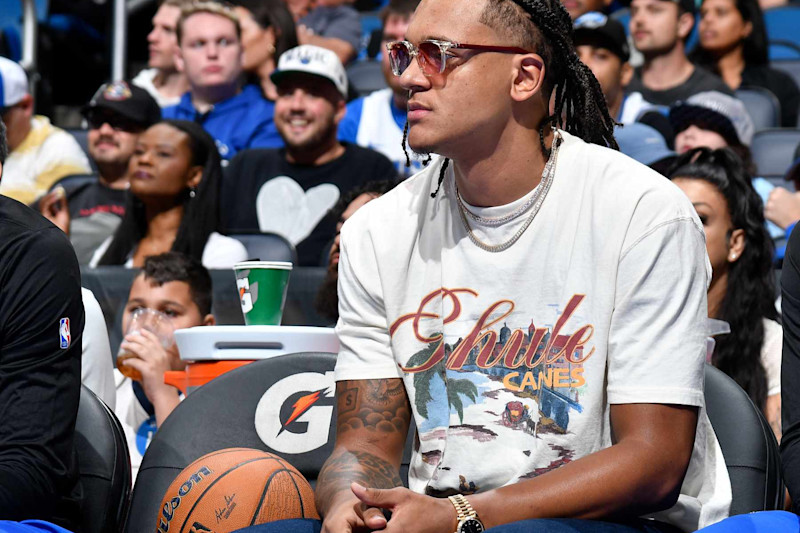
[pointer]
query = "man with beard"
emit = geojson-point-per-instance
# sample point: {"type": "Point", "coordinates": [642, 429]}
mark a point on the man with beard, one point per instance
{"type": "Point", "coordinates": [89, 213]}
{"type": "Point", "coordinates": [327, 300]}
{"type": "Point", "coordinates": [291, 190]}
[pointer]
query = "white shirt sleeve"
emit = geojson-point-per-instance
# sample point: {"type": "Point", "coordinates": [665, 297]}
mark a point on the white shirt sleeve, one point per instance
{"type": "Point", "coordinates": [364, 342]}
{"type": "Point", "coordinates": [771, 355]}
{"type": "Point", "coordinates": [657, 339]}
{"type": "Point", "coordinates": [97, 370]}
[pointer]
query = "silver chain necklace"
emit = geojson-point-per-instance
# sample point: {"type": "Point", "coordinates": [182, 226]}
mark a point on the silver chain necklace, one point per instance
{"type": "Point", "coordinates": [536, 200]}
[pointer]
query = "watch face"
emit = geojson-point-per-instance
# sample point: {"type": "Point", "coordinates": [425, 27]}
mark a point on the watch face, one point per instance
{"type": "Point", "coordinates": [470, 525]}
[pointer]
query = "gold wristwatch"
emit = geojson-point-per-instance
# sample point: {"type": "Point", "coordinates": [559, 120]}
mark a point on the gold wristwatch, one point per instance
{"type": "Point", "coordinates": [467, 517]}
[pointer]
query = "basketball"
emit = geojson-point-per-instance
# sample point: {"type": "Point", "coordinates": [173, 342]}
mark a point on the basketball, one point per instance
{"type": "Point", "coordinates": [234, 488]}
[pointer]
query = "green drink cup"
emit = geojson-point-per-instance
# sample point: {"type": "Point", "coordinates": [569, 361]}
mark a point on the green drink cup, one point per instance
{"type": "Point", "coordinates": [262, 290]}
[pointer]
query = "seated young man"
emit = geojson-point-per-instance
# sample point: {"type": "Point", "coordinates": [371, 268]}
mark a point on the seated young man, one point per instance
{"type": "Point", "coordinates": [179, 287]}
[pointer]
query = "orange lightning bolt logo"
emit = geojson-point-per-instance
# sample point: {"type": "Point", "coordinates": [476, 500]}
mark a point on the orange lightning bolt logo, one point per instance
{"type": "Point", "coordinates": [303, 404]}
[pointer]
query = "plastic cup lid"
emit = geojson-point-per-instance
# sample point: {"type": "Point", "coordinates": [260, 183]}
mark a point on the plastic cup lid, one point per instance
{"type": "Point", "coordinates": [281, 265]}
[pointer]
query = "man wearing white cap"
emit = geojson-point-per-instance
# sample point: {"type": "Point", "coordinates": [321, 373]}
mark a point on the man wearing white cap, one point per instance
{"type": "Point", "coordinates": [40, 153]}
{"type": "Point", "coordinates": [291, 190]}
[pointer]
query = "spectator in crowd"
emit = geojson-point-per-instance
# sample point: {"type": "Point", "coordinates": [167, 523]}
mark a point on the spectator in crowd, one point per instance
{"type": "Point", "coordinates": [173, 203]}
{"type": "Point", "coordinates": [179, 287]}
{"type": "Point", "coordinates": [210, 55]}
{"type": "Point", "coordinates": [41, 322]}
{"type": "Point", "coordinates": [291, 191]}
{"type": "Point", "coordinates": [660, 29]}
{"type": "Point", "coordinates": [733, 44]}
{"type": "Point", "coordinates": [715, 120]}
{"type": "Point", "coordinates": [90, 212]}
{"type": "Point", "coordinates": [328, 24]}
{"type": "Point", "coordinates": [602, 46]}
{"type": "Point", "coordinates": [783, 206]}
{"type": "Point", "coordinates": [326, 302]}
{"type": "Point", "coordinates": [742, 289]}
{"type": "Point", "coordinates": [163, 80]}
{"type": "Point", "coordinates": [377, 121]}
{"type": "Point", "coordinates": [456, 278]}
{"type": "Point", "coordinates": [40, 153]}
{"type": "Point", "coordinates": [576, 8]}
{"type": "Point", "coordinates": [268, 30]}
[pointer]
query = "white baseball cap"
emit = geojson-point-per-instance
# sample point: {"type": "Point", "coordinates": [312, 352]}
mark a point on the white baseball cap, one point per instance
{"type": "Point", "coordinates": [13, 83]}
{"type": "Point", "coordinates": [314, 60]}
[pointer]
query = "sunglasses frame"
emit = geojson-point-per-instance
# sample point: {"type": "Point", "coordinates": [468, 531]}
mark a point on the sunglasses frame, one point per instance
{"type": "Point", "coordinates": [444, 47]}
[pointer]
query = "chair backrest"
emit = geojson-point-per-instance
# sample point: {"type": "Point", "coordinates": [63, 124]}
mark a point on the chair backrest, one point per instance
{"type": "Point", "coordinates": [366, 76]}
{"type": "Point", "coordinates": [773, 150]}
{"type": "Point", "coordinates": [762, 106]}
{"type": "Point", "coordinates": [248, 407]}
{"type": "Point", "coordinates": [748, 445]}
{"type": "Point", "coordinates": [782, 23]}
{"type": "Point", "coordinates": [104, 466]}
{"type": "Point", "coordinates": [74, 181]}
{"type": "Point", "coordinates": [267, 246]}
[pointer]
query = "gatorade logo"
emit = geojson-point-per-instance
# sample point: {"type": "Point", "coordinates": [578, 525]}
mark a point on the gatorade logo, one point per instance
{"type": "Point", "coordinates": [295, 414]}
{"type": "Point", "coordinates": [247, 295]}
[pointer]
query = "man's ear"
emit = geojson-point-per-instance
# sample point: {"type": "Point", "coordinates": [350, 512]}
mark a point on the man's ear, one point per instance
{"type": "Point", "coordinates": [179, 63]}
{"type": "Point", "coordinates": [26, 104]}
{"type": "Point", "coordinates": [209, 320]}
{"type": "Point", "coordinates": [341, 110]}
{"type": "Point", "coordinates": [627, 74]}
{"type": "Point", "coordinates": [685, 25]}
{"type": "Point", "coordinates": [528, 77]}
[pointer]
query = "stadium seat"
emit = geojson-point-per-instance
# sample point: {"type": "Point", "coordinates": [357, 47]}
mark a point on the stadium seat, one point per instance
{"type": "Point", "coordinates": [748, 445]}
{"type": "Point", "coordinates": [104, 466]}
{"type": "Point", "coordinates": [267, 247]}
{"type": "Point", "coordinates": [246, 407]}
{"type": "Point", "coordinates": [782, 24]}
{"type": "Point", "coordinates": [792, 68]}
{"type": "Point", "coordinates": [762, 106]}
{"type": "Point", "coordinates": [82, 136]}
{"type": "Point", "coordinates": [366, 76]}
{"type": "Point", "coordinates": [773, 150]}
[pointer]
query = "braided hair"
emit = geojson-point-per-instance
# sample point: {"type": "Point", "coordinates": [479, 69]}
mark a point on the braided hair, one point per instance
{"type": "Point", "coordinates": [546, 27]}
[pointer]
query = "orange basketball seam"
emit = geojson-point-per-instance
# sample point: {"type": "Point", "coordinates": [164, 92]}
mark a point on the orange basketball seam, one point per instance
{"type": "Point", "coordinates": [222, 475]}
{"type": "Point", "coordinates": [266, 488]}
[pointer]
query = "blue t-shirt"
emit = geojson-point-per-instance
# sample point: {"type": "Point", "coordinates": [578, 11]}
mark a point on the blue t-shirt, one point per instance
{"type": "Point", "coordinates": [240, 122]}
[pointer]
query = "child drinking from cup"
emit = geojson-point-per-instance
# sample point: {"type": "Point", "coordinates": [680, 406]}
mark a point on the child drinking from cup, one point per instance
{"type": "Point", "coordinates": [172, 292]}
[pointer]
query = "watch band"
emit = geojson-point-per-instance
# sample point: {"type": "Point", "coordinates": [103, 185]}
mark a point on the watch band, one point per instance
{"type": "Point", "coordinates": [464, 509]}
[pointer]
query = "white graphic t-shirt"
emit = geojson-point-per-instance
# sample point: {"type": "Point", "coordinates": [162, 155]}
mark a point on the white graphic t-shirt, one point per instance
{"type": "Point", "coordinates": [511, 360]}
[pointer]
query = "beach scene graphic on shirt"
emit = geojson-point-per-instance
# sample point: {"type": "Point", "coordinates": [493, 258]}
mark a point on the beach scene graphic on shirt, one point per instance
{"type": "Point", "coordinates": [496, 375]}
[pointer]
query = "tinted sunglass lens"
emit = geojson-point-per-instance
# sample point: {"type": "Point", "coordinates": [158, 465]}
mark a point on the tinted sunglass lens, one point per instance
{"type": "Point", "coordinates": [399, 58]}
{"type": "Point", "coordinates": [431, 57]}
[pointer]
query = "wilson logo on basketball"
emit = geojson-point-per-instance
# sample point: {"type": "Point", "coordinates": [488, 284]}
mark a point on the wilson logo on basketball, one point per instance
{"type": "Point", "coordinates": [294, 415]}
{"type": "Point", "coordinates": [168, 510]}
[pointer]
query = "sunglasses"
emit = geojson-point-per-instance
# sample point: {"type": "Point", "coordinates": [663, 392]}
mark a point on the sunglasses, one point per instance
{"type": "Point", "coordinates": [96, 119]}
{"type": "Point", "coordinates": [432, 54]}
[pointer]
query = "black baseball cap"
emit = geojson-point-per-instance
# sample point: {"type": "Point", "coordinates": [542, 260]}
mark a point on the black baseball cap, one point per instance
{"type": "Point", "coordinates": [597, 29]}
{"type": "Point", "coordinates": [129, 101]}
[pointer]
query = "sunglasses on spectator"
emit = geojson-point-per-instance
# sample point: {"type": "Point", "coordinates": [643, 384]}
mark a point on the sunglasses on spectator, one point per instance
{"type": "Point", "coordinates": [432, 54]}
{"type": "Point", "coordinates": [117, 122]}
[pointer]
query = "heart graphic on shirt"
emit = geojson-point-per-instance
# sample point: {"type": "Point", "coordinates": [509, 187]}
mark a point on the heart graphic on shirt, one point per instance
{"type": "Point", "coordinates": [283, 207]}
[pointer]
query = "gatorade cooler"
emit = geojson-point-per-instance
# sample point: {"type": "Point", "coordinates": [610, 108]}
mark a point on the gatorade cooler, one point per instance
{"type": "Point", "coordinates": [210, 351]}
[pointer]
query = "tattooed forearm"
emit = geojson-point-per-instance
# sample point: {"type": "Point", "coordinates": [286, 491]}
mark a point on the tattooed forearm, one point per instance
{"type": "Point", "coordinates": [344, 467]}
{"type": "Point", "coordinates": [371, 428]}
{"type": "Point", "coordinates": [380, 404]}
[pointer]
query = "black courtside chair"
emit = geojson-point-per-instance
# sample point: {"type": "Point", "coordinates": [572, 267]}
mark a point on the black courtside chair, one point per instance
{"type": "Point", "coordinates": [748, 445]}
{"type": "Point", "coordinates": [104, 466]}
